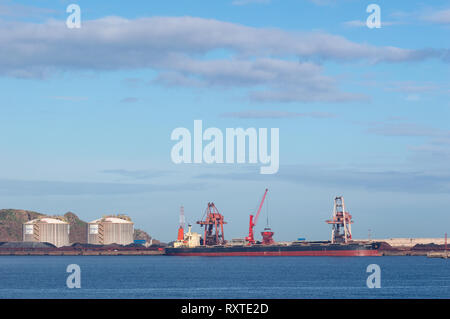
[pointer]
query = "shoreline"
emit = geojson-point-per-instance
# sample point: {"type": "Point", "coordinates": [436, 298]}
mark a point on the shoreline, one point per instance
{"type": "Point", "coordinates": [432, 253]}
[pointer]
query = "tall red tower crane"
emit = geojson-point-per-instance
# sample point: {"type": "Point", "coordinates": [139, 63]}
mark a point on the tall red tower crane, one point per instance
{"type": "Point", "coordinates": [213, 223]}
{"type": "Point", "coordinates": [341, 220]}
{"type": "Point", "coordinates": [250, 238]}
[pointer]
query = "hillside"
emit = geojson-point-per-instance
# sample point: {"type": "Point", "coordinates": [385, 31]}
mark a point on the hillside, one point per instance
{"type": "Point", "coordinates": [78, 228]}
{"type": "Point", "coordinates": [11, 221]}
{"type": "Point", "coordinates": [140, 234]}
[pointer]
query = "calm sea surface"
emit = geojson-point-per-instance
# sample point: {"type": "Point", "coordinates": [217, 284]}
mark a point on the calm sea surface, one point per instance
{"type": "Point", "coordinates": [223, 277]}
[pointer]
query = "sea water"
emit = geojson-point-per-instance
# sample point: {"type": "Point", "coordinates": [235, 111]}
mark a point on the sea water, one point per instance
{"type": "Point", "coordinates": [223, 277]}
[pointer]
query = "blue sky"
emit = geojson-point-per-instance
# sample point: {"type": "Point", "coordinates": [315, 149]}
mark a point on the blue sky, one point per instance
{"type": "Point", "coordinates": [86, 114]}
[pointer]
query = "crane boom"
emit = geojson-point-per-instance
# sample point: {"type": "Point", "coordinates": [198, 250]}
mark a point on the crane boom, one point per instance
{"type": "Point", "coordinates": [250, 238]}
{"type": "Point", "coordinates": [260, 206]}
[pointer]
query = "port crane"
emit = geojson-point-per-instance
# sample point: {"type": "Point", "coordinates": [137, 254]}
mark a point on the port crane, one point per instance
{"type": "Point", "coordinates": [250, 238]}
{"type": "Point", "coordinates": [341, 220]}
{"type": "Point", "coordinates": [213, 223]}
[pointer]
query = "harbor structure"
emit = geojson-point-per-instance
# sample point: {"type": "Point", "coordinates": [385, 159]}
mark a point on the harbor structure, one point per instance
{"type": "Point", "coordinates": [53, 230]}
{"type": "Point", "coordinates": [407, 242]}
{"type": "Point", "coordinates": [112, 229]}
{"type": "Point", "coordinates": [214, 243]}
{"type": "Point", "coordinates": [341, 221]}
{"type": "Point", "coordinates": [213, 222]}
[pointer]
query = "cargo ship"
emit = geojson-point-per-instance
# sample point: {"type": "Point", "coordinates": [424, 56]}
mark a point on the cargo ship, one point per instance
{"type": "Point", "coordinates": [303, 249]}
{"type": "Point", "coordinates": [213, 242]}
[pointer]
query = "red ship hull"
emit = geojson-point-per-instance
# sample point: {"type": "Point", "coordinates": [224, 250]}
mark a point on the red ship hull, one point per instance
{"type": "Point", "coordinates": [285, 253]}
{"type": "Point", "coordinates": [294, 250]}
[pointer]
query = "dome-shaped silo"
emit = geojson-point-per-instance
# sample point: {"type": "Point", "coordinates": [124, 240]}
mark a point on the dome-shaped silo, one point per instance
{"type": "Point", "coordinates": [111, 230]}
{"type": "Point", "coordinates": [54, 230]}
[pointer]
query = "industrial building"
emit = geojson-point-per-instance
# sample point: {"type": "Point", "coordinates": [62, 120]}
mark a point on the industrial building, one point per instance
{"type": "Point", "coordinates": [53, 230]}
{"type": "Point", "coordinates": [113, 229]}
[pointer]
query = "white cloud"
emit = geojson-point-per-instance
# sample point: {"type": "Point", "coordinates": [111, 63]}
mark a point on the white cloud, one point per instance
{"type": "Point", "coordinates": [245, 2]}
{"type": "Point", "coordinates": [360, 24]}
{"type": "Point", "coordinates": [19, 10]}
{"type": "Point", "coordinates": [288, 81]}
{"type": "Point", "coordinates": [276, 115]}
{"type": "Point", "coordinates": [412, 97]}
{"type": "Point", "coordinates": [440, 17]}
{"type": "Point", "coordinates": [324, 2]}
{"type": "Point", "coordinates": [396, 180]}
{"type": "Point", "coordinates": [406, 129]}
{"type": "Point", "coordinates": [412, 87]}
{"type": "Point", "coordinates": [426, 14]}
{"type": "Point", "coordinates": [70, 98]}
{"type": "Point", "coordinates": [176, 47]}
{"type": "Point", "coordinates": [69, 188]}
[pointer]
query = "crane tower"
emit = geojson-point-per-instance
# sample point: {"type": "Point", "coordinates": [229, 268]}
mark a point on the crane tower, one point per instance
{"type": "Point", "coordinates": [213, 223]}
{"type": "Point", "coordinates": [267, 234]}
{"type": "Point", "coordinates": [341, 221]}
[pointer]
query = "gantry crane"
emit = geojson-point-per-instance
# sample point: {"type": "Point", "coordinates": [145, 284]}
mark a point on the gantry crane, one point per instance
{"type": "Point", "coordinates": [213, 223]}
{"type": "Point", "coordinates": [340, 219]}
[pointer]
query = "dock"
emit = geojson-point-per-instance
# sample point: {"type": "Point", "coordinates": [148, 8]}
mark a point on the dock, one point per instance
{"type": "Point", "coordinates": [439, 254]}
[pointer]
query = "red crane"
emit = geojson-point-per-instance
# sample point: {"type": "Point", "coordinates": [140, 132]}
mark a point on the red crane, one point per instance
{"type": "Point", "coordinates": [341, 220]}
{"type": "Point", "coordinates": [250, 238]}
{"type": "Point", "coordinates": [213, 223]}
